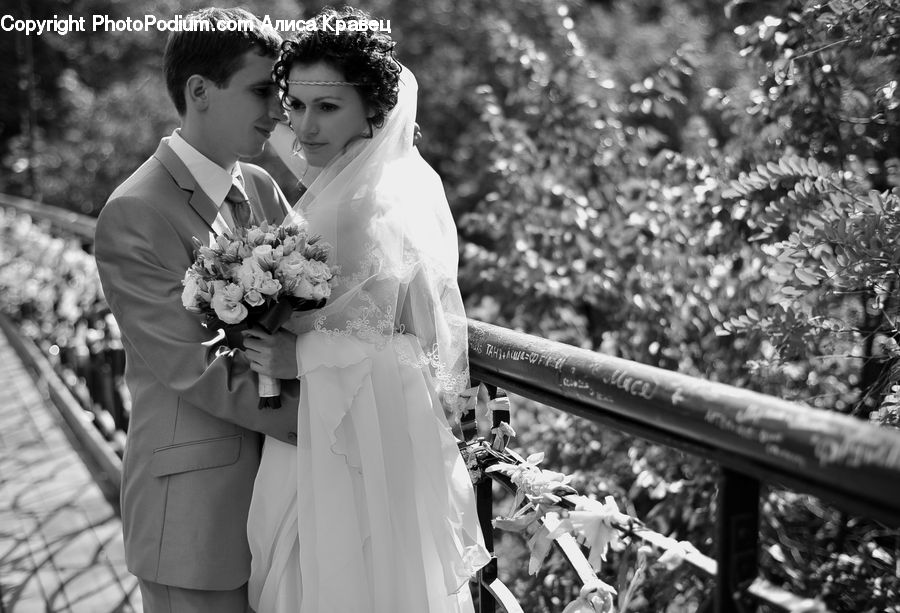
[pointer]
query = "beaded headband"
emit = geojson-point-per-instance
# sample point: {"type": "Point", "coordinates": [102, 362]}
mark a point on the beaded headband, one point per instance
{"type": "Point", "coordinates": [322, 83]}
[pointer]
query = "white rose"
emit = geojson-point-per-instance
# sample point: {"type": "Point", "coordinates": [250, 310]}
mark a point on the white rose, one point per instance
{"type": "Point", "coordinates": [268, 285]}
{"type": "Point", "coordinates": [255, 236]}
{"type": "Point", "coordinates": [253, 297]}
{"type": "Point", "coordinates": [303, 289]}
{"type": "Point", "coordinates": [318, 272]}
{"type": "Point", "coordinates": [190, 297]}
{"type": "Point", "coordinates": [264, 255]}
{"type": "Point", "coordinates": [229, 311]}
{"type": "Point", "coordinates": [249, 273]}
{"type": "Point", "coordinates": [232, 292]}
{"type": "Point", "coordinates": [217, 287]}
{"type": "Point", "coordinates": [291, 266]}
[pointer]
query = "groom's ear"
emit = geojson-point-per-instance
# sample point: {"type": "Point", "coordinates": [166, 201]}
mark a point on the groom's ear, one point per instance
{"type": "Point", "coordinates": [196, 92]}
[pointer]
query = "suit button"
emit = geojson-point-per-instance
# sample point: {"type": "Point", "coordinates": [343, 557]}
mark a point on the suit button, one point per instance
{"type": "Point", "coordinates": [292, 436]}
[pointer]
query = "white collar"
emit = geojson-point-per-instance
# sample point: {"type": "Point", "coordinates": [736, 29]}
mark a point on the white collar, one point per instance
{"type": "Point", "coordinates": [214, 180]}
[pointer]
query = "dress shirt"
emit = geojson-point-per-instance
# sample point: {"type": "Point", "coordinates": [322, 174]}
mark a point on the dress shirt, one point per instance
{"type": "Point", "coordinates": [214, 180]}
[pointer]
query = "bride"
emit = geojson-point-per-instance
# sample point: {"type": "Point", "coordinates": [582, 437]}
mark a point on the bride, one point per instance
{"type": "Point", "coordinates": [373, 510]}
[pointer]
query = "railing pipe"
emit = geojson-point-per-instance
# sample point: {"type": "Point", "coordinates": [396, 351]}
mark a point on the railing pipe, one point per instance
{"type": "Point", "coordinates": [64, 221]}
{"type": "Point", "coordinates": [849, 462]}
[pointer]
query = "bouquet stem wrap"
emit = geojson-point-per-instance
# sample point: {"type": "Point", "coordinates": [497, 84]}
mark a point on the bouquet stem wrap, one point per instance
{"type": "Point", "coordinates": [269, 392]}
{"type": "Point", "coordinates": [271, 321]}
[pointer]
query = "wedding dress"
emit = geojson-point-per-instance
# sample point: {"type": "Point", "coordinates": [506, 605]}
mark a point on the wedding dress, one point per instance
{"type": "Point", "coordinates": [373, 510]}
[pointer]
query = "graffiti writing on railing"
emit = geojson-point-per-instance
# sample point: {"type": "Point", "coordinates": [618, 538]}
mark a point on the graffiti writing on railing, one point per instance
{"type": "Point", "coordinates": [780, 452]}
{"type": "Point", "coordinates": [552, 360]}
{"type": "Point", "coordinates": [578, 384]}
{"type": "Point", "coordinates": [831, 445]}
{"type": "Point", "coordinates": [782, 419]}
{"type": "Point", "coordinates": [617, 379]}
{"type": "Point", "coordinates": [750, 432]}
{"type": "Point", "coordinates": [772, 438]}
{"type": "Point", "coordinates": [585, 387]}
{"type": "Point", "coordinates": [633, 385]}
{"type": "Point", "coordinates": [855, 451]}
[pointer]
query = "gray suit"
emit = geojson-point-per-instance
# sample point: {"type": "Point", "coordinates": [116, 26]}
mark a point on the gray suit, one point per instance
{"type": "Point", "coordinates": [194, 441]}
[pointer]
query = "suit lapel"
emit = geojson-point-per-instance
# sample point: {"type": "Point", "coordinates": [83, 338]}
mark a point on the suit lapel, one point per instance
{"type": "Point", "coordinates": [199, 201]}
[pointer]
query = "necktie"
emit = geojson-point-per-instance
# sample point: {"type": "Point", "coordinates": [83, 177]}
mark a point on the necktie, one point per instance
{"type": "Point", "coordinates": [240, 206]}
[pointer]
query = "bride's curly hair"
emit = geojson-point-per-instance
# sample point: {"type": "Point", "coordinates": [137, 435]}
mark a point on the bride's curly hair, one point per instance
{"type": "Point", "coordinates": [365, 58]}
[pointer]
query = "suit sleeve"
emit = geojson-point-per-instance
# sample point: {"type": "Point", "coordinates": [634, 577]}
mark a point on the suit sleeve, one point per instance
{"type": "Point", "coordinates": [141, 261]}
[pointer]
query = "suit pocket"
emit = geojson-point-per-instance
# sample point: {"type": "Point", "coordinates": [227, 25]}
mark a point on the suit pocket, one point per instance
{"type": "Point", "coordinates": [196, 455]}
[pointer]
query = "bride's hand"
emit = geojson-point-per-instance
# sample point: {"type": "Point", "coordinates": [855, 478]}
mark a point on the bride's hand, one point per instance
{"type": "Point", "coordinates": [274, 355]}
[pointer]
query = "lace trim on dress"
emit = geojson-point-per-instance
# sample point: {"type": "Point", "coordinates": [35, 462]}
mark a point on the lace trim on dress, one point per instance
{"type": "Point", "coordinates": [369, 265]}
{"type": "Point", "coordinates": [450, 382]}
{"type": "Point", "coordinates": [374, 324]}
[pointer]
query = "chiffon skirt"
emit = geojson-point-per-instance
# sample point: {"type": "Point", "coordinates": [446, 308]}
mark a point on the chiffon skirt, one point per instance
{"type": "Point", "coordinates": [373, 510]}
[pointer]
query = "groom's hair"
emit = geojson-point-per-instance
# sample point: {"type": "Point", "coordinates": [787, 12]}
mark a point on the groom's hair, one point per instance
{"type": "Point", "coordinates": [201, 47]}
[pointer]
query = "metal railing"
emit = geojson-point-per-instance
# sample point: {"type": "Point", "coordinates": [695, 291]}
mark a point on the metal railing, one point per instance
{"type": "Point", "coordinates": [754, 438]}
{"type": "Point", "coordinates": [63, 220]}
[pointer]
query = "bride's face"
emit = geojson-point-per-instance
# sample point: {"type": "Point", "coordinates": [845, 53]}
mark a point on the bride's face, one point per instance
{"type": "Point", "coordinates": [325, 118]}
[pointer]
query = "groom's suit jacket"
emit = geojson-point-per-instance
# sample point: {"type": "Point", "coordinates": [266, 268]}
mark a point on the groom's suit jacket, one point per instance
{"type": "Point", "coordinates": [194, 442]}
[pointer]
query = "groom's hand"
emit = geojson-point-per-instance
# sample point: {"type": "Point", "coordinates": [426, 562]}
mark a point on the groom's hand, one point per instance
{"type": "Point", "coordinates": [272, 354]}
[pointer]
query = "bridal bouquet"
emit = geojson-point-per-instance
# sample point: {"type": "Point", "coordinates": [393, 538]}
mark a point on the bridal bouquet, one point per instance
{"type": "Point", "coordinates": [257, 276]}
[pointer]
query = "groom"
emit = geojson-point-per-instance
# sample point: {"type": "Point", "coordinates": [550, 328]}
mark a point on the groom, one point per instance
{"type": "Point", "coordinates": [194, 441]}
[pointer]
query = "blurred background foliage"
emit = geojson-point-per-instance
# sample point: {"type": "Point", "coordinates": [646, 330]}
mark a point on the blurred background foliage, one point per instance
{"type": "Point", "coordinates": [705, 186]}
